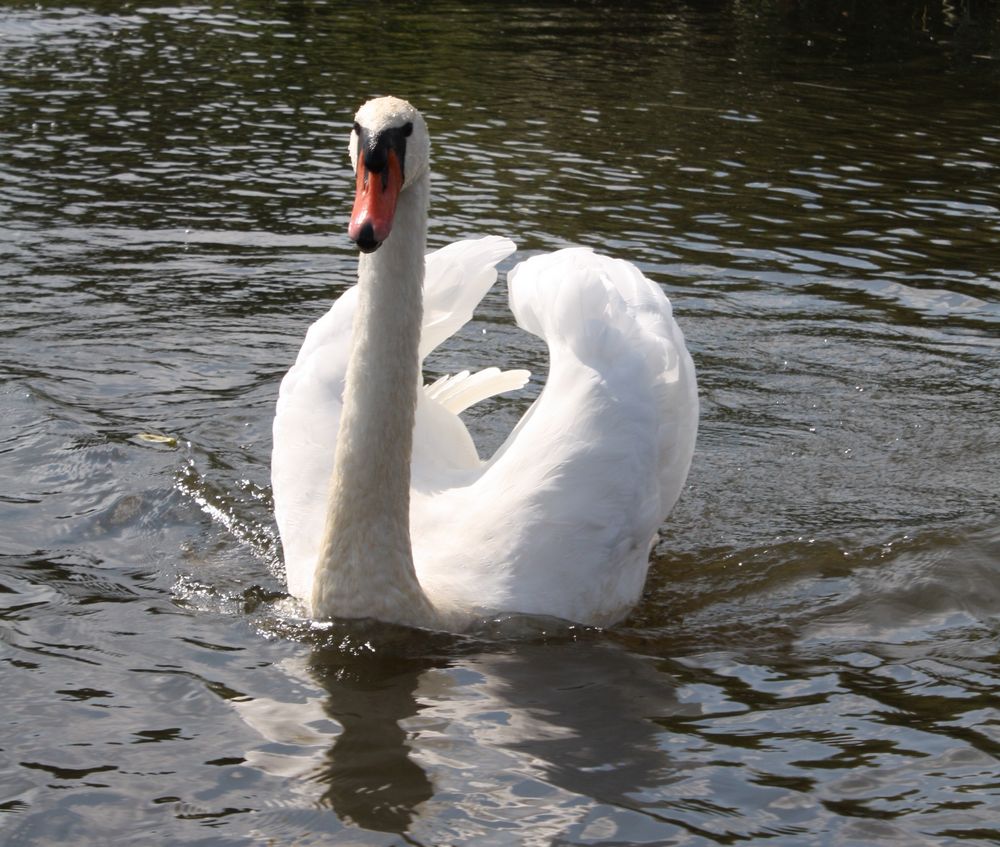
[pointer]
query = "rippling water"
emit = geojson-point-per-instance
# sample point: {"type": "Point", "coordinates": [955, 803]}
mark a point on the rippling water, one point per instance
{"type": "Point", "coordinates": [816, 187]}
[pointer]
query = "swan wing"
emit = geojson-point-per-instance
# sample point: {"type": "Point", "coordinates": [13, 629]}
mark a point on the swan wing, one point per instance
{"type": "Point", "coordinates": [560, 521]}
{"type": "Point", "coordinates": [457, 277]}
{"type": "Point", "coordinates": [310, 399]}
{"type": "Point", "coordinates": [304, 431]}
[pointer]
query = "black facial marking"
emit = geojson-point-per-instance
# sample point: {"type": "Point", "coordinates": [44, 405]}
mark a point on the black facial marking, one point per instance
{"type": "Point", "coordinates": [373, 148]}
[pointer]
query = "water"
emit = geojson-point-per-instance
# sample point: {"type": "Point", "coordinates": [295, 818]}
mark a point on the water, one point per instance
{"type": "Point", "coordinates": [815, 660]}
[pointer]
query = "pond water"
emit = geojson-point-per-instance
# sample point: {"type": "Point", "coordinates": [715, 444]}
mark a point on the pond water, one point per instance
{"type": "Point", "coordinates": [817, 189]}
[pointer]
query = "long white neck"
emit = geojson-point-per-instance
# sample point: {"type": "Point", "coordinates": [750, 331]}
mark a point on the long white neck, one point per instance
{"type": "Point", "coordinates": [365, 568]}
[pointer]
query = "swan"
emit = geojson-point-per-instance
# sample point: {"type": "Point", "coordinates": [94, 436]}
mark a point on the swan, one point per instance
{"type": "Point", "coordinates": [385, 509]}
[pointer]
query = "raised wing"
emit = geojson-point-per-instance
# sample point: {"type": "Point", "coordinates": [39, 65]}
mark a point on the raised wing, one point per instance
{"type": "Point", "coordinates": [561, 519]}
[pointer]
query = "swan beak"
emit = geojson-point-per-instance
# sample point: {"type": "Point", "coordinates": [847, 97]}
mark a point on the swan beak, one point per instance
{"type": "Point", "coordinates": [375, 203]}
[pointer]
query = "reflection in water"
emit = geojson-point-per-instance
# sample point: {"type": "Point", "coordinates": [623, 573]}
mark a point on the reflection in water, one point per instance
{"type": "Point", "coordinates": [342, 743]}
{"type": "Point", "coordinates": [555, 702]}
{"type": "Point", "coordinates": [425, 745]}
{"type": "Point", "coordinates": [453, 741]}
{"type": "Point", "coordinates": [368, 775]}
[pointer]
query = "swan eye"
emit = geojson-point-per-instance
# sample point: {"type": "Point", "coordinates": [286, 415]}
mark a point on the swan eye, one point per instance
{"type": "Point", "coordinates": [407, 129]}
{"type": "Point", "coordinates": [357, 128]}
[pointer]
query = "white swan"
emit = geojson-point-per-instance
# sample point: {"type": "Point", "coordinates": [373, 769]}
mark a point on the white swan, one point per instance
{"type": "Point", "coordinates": [385, 510]}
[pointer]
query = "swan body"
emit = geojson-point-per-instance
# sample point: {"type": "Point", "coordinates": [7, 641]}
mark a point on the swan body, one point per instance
{"type": "Point", "coordinates": [385, 508]}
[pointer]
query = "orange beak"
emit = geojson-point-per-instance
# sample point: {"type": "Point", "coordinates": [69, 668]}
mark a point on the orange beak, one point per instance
{"type": "Point", "coordinates": [375, 203]}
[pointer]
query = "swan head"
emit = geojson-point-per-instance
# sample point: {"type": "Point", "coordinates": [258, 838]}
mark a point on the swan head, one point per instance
{"type": "Point", "coordinates": [390, 149]}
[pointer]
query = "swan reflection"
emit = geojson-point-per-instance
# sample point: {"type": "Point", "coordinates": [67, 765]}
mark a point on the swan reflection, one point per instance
{"type": "Point", "coordinates": [555, 737]}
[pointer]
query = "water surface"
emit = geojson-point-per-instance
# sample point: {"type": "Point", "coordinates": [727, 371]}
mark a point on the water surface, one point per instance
{"type": "Point", "coordinates": [816, 658]}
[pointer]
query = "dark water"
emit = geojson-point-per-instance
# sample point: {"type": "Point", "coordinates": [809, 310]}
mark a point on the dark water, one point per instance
{"type": "Point", "coordinates": [817, 188]}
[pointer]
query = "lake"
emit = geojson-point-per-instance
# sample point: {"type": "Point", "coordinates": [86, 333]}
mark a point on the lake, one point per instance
{"type": "Point", "coordinates": [816, 659]}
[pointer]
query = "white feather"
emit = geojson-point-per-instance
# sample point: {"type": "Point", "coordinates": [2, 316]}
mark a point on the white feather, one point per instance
{"type": "Point", "coordinates": [460, 391]}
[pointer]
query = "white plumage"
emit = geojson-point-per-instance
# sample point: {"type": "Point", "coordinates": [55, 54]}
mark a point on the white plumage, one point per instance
{"type": "Point", "coordinates": [561, 519]}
